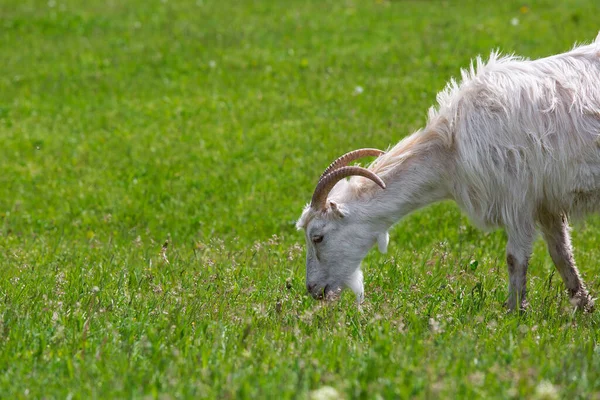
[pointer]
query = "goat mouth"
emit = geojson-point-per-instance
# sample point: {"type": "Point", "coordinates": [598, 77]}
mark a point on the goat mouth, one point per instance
{"type": "Point", "coordinates": [331, 293]}
{"type": "Point", "coordinates": [325, 292]}
{"type": "Point", "coordinates": [317, 296]}
{"type": "Point", "coordinates": [328, 292]}
{"type": "Point", "coordinates": [321, 294]}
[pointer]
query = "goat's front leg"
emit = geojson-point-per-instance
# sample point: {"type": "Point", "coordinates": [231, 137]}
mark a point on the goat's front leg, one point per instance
{"type": "Point", "coordinates": [555, 230]}
{"type": "Point", "coordinates": [518, 251]}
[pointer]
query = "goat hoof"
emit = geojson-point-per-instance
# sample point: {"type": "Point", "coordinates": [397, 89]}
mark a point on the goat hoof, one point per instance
{"type": "Point", "coordinates": [522, 309]}
{"type": "Point", "coordinates": [583, 301]}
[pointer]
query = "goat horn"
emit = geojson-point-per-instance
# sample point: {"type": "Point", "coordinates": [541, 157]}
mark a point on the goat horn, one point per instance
{"type": "Point", "coordinates": [349, 157]}
{"type": "Point", "coordinates": [319, 198]}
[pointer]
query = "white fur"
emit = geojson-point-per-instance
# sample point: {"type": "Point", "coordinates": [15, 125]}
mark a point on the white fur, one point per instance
{"type": "Point", "coordinates": [515, 141]}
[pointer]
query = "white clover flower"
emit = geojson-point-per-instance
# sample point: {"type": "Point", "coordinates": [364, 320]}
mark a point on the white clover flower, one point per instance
{"type": "Point", "coordinates": [546, 390]}
{"type": "Point", "coordinates": [325, 393]}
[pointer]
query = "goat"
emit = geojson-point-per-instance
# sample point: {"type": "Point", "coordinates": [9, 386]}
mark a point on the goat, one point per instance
{"type": "Point", "coordinates": [516, 144]}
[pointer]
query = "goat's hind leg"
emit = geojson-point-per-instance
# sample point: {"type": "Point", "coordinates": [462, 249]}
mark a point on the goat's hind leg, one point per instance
{"type": "Point", "coordinates": [555, 230]}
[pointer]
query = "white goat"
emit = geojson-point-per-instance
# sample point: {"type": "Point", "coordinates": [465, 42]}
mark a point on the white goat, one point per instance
{"type": "Point", "coordinates": [515, 144]}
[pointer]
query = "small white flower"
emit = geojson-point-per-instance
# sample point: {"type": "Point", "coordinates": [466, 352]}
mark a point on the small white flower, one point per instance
{"type": "Point", "coordinates": [358, 90]}
{"type": "Point", "coordinates": [325, 393]}
{"type": "Point", "coordinates": [546, 390]}
{"type": "Point", "coordinates": [514, 21]}
{"type": "Point", "coordinates": [477, 378]}
{"type": "Point", "coordinates": [435, 326]}
{"type": "Point", "coordinates": [212, 63]}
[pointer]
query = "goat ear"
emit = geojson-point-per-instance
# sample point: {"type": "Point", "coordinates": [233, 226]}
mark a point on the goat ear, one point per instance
{"type": "Point", "coordinates": [383, 239]}
{"type": "Point", "coordinates": [338, 209]}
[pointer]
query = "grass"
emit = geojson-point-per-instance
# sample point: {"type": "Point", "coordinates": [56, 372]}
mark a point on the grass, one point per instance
{"type": "Point", "coordinates": [155, 155]}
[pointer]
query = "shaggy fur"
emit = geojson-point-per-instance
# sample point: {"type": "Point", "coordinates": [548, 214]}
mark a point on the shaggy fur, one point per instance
{"type": "Point", "coordinates": [516, 144]}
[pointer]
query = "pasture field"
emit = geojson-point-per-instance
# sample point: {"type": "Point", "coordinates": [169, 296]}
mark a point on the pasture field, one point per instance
{"type": "Point", "coordinates": [154, 156]}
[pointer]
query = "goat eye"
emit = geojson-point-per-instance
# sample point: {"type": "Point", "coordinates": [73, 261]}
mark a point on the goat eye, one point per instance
{"type": "Point", "coordinates": [317, 239]}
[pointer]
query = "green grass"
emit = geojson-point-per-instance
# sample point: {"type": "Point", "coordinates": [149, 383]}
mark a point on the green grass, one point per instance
{"type": "Point", "coordinates": [206, 123]}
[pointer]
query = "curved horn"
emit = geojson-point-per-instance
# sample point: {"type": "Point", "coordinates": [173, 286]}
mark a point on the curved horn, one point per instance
{"type": "Point", "coordinates": [319, 198]}
{"type": "Point", "coordinates": [349, 157]}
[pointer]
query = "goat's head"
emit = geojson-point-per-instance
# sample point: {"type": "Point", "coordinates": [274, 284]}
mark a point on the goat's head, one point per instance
{"type": "Point", "coordinates": [338, 236]}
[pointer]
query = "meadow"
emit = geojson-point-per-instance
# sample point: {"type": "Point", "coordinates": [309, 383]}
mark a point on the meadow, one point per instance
{"type": "Point", "coordinates": [154, 156]}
